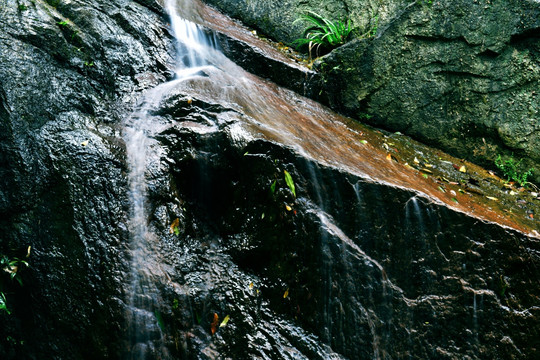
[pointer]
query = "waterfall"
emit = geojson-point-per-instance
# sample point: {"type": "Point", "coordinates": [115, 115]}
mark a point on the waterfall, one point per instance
{"type": "Point", "coordinates": [144, 333]}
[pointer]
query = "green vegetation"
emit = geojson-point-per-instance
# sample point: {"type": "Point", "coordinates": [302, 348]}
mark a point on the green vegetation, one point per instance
{"type": "Point", "coordinates": [511, 171]}
{"type": "Point", "coordinates": [289, 181]}
{"type": "Point", "coordinates": [12, 267]}
{"type": "Point", "coordinates": [323, 34]}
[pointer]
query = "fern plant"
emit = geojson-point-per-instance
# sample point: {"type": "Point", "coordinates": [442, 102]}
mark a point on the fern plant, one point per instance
{"type": "Point", "coordinates": [510, 169]}
{"type": "Point", "coordinates": [322, 34]}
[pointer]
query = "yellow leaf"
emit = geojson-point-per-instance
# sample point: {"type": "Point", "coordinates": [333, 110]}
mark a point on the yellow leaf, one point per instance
{"type": "Point", "coordinates": [286, 293]}
{"type": "Point", "coordinates": [225, 321]}
{"type": "Point", "coordinates": [492, 198]}
{"type": "Point", "coordinates": [389, 157]}
{"type": "Point", "coordinates": [463, 169]}
{"type": "Point", "coordinates": [28, 251]}
{"type": "Point", "coordinates": [288, 207]}
{"type": "Point", "coordinates": [416, 160]}
{"type": "Point", "coordinates": [84, 143]}
{"type": "Point", "coordinates": [251, 285]}
{"type": "Point", "coordinates": [189, 101]}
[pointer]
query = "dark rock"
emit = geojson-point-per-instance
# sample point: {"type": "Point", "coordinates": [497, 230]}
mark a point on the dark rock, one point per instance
{"type": "Point", "coordinates": [364, 262]}
{"type": "Point", "coordinates": [459, 75]}
{"type": "Point", "coordinates": [63, 67]}
{"type": "Point", "coordinates": [368, 270]}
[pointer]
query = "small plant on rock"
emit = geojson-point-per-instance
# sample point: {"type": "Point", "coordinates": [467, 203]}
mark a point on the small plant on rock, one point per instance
{"type": "Point", "coordinates": [10, 267]}
{"type": "Point", "coordinates": [323, 34]}
{"type": "Point", "coordinates": [511, 171]}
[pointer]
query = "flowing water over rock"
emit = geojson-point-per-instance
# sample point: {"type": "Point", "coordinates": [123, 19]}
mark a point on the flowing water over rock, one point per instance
{"type": "Point", "coordinates": [212, 102]}
{"type": "Point", "coordinates": [365, 259]}
{"type": "Point", "coordinates": [145, 336]}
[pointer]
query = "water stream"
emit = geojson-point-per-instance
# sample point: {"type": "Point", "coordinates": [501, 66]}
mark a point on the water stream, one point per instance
{"type": "Point", "coordinates": [144, 334]}
{"type": "Point", "coordinates": [266, 112]}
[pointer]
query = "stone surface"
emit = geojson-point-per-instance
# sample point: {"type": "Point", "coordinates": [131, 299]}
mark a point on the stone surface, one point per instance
{"type": "Point", "coordinates": [367, 269]}
{"type": "Point", "coordinates": [459, 75]}
{"type": "Point", "coordinates": [65, 69]}
{"type": "Point", "coordinates": [369, 262]}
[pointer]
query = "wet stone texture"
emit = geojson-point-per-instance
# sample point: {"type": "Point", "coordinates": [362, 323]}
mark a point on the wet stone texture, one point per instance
{"type": "Point", "coordinates": [347, 269]}
{"type": "Point", "coordinates": [65, 66]}
{"type": "Point", "coordinates": [460, 75]}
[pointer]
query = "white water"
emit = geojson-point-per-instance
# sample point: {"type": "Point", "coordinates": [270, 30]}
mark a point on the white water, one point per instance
{"type": "Point", "coordinates": [144, 335]}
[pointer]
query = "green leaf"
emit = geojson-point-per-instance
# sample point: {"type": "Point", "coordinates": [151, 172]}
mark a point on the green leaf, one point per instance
{"type": "Point", "coordinates": [225, 321]}
{"type": "Point", "coordinates": [273, 187]}
{"type": "Point", "coordinates": [3, 305]}
{"type": "Point", "coordinates": [290, 182]}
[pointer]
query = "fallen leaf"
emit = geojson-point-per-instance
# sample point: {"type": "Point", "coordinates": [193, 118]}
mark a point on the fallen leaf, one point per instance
{"type": "Point", "coordinates": [512, 192]}
{"type": "Point", "coordinates": [84, 143]}
{"type": "Point", "coordinates": [214, 324]}
{"type": "Point", "coordinates": [175, 227]}
{"type": "Point", "coordinates": [363, 141]}
{"type": "Point", "coordinates": [440, 188]}
{"type": "Point", "coordinates": [225, 321]}
{"type": "Point", "coordinates": [427, 170]}
{"type": "Point", "coordinates": [463, 169]}
{"type": "Point", "coordinates": [288, 207]}
{"type": "Point", "coordinates": [28, 251]}
{"type": "Point", "coordinates": [425, 176]}
{"type": "Point", "coordinates": [389, 157]}
{"type": "Point", "coordinates": [286, 293]}
{"type": "Point", "coordinates": [189, 101]}
{"type": "Point", "coordinates": [492, 198]}
{"type": "Point", "coordinates": [453, 193]}
{"type": "Point", "coordinates": [416, 160]}
{"type": "Point", "coordinates": [251, 285]}
{"type": "Point", "coordinates": [531, 215]}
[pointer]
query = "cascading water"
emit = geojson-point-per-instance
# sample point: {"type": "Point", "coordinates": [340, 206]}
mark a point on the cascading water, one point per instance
{"type": "Point", "coordinates": [145, 336]}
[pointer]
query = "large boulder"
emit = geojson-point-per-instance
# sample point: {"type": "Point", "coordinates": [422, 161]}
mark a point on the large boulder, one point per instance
{"type": "Point", "coordinates": [66, 68]}
{"type": "Point", "coordinates": [460, 75]}
{"type": "Point", "coordinates": [366, 258]}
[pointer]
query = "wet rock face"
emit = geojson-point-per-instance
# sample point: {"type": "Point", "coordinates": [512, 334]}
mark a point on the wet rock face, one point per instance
{"type": "Point", "coordinates": [348, 268]}
{"type": "Point", "coordinates": [455, 74]}
{"type": "Point", "coordinates": [63, 67]}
